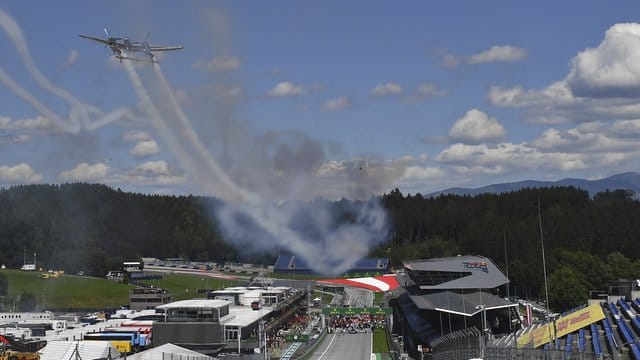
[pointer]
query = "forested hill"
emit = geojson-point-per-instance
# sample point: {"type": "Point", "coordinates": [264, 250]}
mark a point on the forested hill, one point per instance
{"type": "Point", "coordinates": [93, 227]}
{"type": "Point", "coordinates": [593, 241]}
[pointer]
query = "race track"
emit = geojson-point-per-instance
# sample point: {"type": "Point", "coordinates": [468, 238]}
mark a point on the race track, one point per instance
{"type": "Point", "coordinates": [344, 346]}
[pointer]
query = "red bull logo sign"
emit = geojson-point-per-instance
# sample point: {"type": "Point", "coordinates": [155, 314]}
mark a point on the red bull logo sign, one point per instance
{"type": "Point", "coordinates": [482, 265]}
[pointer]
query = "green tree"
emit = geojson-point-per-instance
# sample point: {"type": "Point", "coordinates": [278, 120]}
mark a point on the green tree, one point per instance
{"type": "Point", "coordinates": [27, 302]}
{"type": "Point", "coordinates": [98, 264]}
{"type": "Point", "coordinates": [591, 268]}
{"type": "Point", "coordinates": [620, 267]}
{"type": "Point", "coordinates": [566, 289]}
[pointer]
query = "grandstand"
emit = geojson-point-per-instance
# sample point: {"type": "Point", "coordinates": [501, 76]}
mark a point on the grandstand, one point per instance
{"type": "Point", "coordinates": [614, 335]}
{"type": "Point", "coordinates": [291, 264]}
{"type": "Point", "coordinates": [445, 296]}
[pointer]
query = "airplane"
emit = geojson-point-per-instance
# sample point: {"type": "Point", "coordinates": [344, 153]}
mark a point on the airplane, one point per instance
{"type": "Point", "coordinates": [121, 46]}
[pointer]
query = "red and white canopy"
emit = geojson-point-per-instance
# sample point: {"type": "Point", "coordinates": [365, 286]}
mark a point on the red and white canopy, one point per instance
{"type": "Point", "coordinates": [375, 283]}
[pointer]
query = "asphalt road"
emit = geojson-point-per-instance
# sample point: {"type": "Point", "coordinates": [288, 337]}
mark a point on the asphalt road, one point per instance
{"type": "Point", "coordinates": [344, 346]}
{"type": "Point", "coordinates": [358, 297]}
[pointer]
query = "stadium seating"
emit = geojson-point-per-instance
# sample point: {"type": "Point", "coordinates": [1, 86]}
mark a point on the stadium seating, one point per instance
{"type": "Point", "coordinates": [292, 264]}
{"type": "Point", "coordinates": [617, 336]}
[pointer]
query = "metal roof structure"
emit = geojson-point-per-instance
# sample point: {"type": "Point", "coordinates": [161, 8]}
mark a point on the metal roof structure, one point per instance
{"type": "Point", "coordinates": [195, 304]}
{"type": "Point", "coordinates": [168, 351]}
{"type": "Point", "coordinates": [467, 304]}
{"type": "Point", "coordinates": [457, 272]}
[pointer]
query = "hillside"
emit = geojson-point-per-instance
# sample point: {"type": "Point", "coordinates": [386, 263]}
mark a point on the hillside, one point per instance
{"type": "Point", "coordinates": [624, 181]}
{"type": "Point", "coordinates": [94, 228]}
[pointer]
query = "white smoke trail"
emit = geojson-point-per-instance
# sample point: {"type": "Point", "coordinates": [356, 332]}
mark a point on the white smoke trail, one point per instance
{"type": "Point", "coordinates": [79, 112]}
{"type": "Point", "coordinates": [191, 166]}
{"type": "Point", "coordinates": [32, 100]}
{"type": "Point", "coordinates": [230, 190]}
{"type": "Point", "coordinates": [331, 248]}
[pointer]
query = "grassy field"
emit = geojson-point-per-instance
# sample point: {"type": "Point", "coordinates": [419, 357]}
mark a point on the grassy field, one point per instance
{"type": "Point", "coordinates": [82, 292]}
{"type": "Point", "coordinates": [67, 291]}
{"type": "Point", "coordinates": [185, 286]}
{"type": "Point", "coordinates": [380, 344]}
{"type": "Point", "coordinates": [326, 298]}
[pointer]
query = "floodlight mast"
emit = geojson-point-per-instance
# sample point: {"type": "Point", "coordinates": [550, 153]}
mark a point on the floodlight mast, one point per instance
{"type": "Point", "coordinates": [544, 270]}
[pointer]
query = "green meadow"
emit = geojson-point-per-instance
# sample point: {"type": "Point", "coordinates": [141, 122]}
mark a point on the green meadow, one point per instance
{"type": "Point", "coordinates": [82, 292]}
{"type": "Point", "coordinates": [66, 291]}
{"type": "Point", "coordinates": [186, 286]}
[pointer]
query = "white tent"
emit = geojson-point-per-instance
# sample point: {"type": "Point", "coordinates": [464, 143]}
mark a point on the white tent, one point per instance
{"type": "Point", "coordinates": [167, 351]}
{"type": "Point", "coordinates": [72, 350]}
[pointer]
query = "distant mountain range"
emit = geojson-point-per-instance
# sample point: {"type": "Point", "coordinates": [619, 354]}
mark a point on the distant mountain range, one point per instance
{"type": "Point", "coordinates": [625, 181]}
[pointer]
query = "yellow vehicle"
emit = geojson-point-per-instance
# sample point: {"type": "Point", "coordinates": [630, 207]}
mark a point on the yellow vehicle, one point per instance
{"type": "Point", "coordinates": [16, 355]}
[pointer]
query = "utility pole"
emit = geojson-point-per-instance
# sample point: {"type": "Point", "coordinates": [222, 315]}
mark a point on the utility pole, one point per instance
{"type": "Point", "coordinates": [544, 270]}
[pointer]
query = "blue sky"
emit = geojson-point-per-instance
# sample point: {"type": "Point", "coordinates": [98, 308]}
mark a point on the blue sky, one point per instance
{"type": "Point", "coordinates": [296, 99]}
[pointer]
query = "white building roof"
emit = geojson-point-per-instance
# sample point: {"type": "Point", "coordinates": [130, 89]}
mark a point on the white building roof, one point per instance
{"type": "Point", "coordinates": [168, 351]}
{"type": "Point", "coordinates": [229, 291]}
{"type": "Point", "coordinates": [67, 350]}
{"type": "Point", "coordinates": [77, 333]}
{"type": "Point", "coordinates": [243, 316]}
{"type": "Point", "coordinates": [195, 304]}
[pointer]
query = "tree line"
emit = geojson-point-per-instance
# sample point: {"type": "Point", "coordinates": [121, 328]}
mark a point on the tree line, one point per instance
{"type": "Point", "coordinates": [93, 228]}
{"type": "Point", "coordinates": [589, 242]}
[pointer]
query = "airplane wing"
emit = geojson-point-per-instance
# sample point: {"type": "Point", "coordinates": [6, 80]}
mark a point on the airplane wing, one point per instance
{"type": "Point", "coordinates": [136, 59]}
{"type": "Point", "coordinates": [94, 39]}
{"type": "Point", "coordinates": [164, 48]}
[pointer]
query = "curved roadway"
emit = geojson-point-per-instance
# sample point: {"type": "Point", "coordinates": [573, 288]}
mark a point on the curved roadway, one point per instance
{"type": "Point", "coordinates": [339, 346]}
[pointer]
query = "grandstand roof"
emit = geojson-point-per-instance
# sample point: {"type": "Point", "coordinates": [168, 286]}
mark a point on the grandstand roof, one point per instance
{"type": "Point", "coordinates": [293, 262]}
{"type": "Point", "coordinates": [457, 272]}
{"type": "Point", "coordinates": [460, 303]}
{"type": "Point", "coordinates": [376, 283]}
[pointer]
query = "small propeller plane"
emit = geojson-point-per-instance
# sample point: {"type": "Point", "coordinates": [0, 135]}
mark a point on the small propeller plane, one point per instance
{"type": "Point", "coordinates": [121, 46]}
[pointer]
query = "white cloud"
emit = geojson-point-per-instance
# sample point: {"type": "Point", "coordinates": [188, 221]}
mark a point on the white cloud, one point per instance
{"type": "Point", "coordinates": [136, 135]}
{"type": "Point", "coordinates": [38, 122]}
{"type": "Point", "coordinates": [286, 88]}
{"type": "Point", "coordinates": [476, 127]}
{"type": "Point", "coordinates": [150, 173]}
{"type": "Point", "coordinates": [337, 104]}
{"type": "Point", "coordinates": [505, 53]}
{"type": "Point", "coordinates": [387, 89]}
{"type": "Point", "coordinates": [159, 167]}
{"type": "Point", "coordinates": [602, 84]}
{"type": "Point", "coordinates": [626, 128]}
{"type": "Point", "coordinates": [145, 148]}
{"type": "Point", "coordinates": [423, 173]}
{"type": "Point", "coordinates": [505, 158]}
{"type": "Point", "coordinates": [19, 174]}
{"type": "Point", "coordinates": [330, 168]}
{"type": "Point", "coordinates": [218, 64]}
{"type": "Point", "coordinates": [593, 138]}
{"type": "Point", "coordinates": [497, 53]}
{"type": "Point", "coordinates": [426, 90]}
{"type": "Point", "coordinates": [85, 172]}
{"type": "Point", "coordinates": [71, 59]}
{"type": "Point", "coordinates": [610, 70]}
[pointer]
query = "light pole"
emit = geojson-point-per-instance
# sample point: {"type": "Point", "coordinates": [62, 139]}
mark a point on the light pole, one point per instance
{"type": "Point", "coordinates": [483, 320]}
